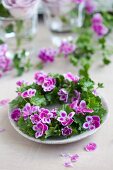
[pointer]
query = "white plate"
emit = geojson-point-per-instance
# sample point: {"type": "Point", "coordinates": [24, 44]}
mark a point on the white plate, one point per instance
{"type": "Point", "coordinates": [57, 140]}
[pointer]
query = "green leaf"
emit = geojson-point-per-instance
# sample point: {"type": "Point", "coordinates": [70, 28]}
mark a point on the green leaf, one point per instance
{"type": "Point", "coordinates": [106, 61]}
{"type": "Point", "coordinates": [18, 102]}
{"type": "Point", "coordinates": [1, 41]}
{"type": "Point", "coordinates": [3, 11]}
{"type": "Point", "coordinates": [38, 100]}
{"type": "Point", "coordinates": [100, 85]}
{"type": "Point", "coordinates": [9, 28]}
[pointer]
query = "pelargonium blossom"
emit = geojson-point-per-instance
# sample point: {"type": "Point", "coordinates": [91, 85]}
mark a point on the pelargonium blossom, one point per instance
{"type": "Point", "coordinates": [5, 61]}
{"type": "Point", "coordinates": [28, 110]}
{"type": "Point", "coordinates": [90, 147]}
{"type": "Point", "coordinates": [49, 84]}
{"type": "Point", "coordinates": [66, 131]}
{"type": "Point", "coordinates": [69, 76]}
{"type": "Point", "coordinates": [40, 77]}
{"type": "Point", "coordinates": [35, 118]}
{"type": "Point", "coordinates": [97, 25]}
{"type": "Point", "coordinates": [92, 122]}
{"type": "Point", "coordinates": [65, 119]}
{"type": "Point", "coordinates": [80, 107]}
{"type": "Point", "coordinates": [74, 157]}
{"type": "Point", "coordinates": [40, 129]}
{"type": "Point", "coordinates": [90, 6]}
{"type": "Point", "coordinates": [28, 93]}
{"type": "Point", "coordinates": [45, 115]}
{"type": "Point", "coordinates": [66, 48]}
{"type": "Point", "coordinates": [54, 112]}
{"type": "Point", "coordinates": [78, 1]}
{"type": "Point", "coordinates": [63, 95]}
{"type": "Point", "coordinates": [47, 55]}
{"type": "Point", "coordinates": [15, 114]}
{"type": "Point", "coordinates": [21, 9]}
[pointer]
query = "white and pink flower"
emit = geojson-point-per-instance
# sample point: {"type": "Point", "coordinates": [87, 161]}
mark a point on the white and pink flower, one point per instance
{"type": "Point", "coordinates": [21, 9]}
{"type": "Point", "coordinates": [69, 76]}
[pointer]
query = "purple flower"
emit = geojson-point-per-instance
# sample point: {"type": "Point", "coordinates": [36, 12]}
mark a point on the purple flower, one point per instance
{"type": "Point", "coordinates": [66, 131]}
{"type": "Point", "coordinates": [78, 1]}
{"type": "Point", "coordinates": [28, 110]}
{"type": "Point", "coordinates": [77, 96]}
{"type": "Point", "coordinates": [21, 9]}
{"type": "Point", "coordinates": [69, 76]}
{"type": "Point", "coordinates": [15, 114]}
{"type": "Point", "coordinates": [90, 147]}
{"type": "Point", "coordinates": [92, 122]}
{"type": "Point", "coordinates": [100, 29]}
{"type": "Point", "coordinates": [97, 19]}
{"type": "Point", "coordinates": [47, 55]}
{"type": "Point", "coordinates": [65, 119]}
{"type": "Point", "coordinates": [45, 115]}
{"type": "Point", "coordinates": [80, 107]}
{"type": "Point", "coordinates": [5, 61]}
{"type": "Point", "coordinates": [49, 84]}
{"type": "Point", "coordinates": [35, 118]}
{"type": "Point", "coordinates": [66, 48]}
{"type": "Point", "coordinates": [63, 95]}
{"type": "Point", "coordinates": [54, 112]}
{"type": "Point", "coordinates": [40, 129]}
{"type": "Point", "coordinates": [74, 157]}
{"type": "Point", "coordinates": [90, 6]}
{"type": "Point", "coordinates": [40, 77]}
{"type": "Point", "coordinates": [97, 26]}
{"type": "Point", "coordinates": [28, 93]}
{"type": "Point", "coordinates": [21, 83]}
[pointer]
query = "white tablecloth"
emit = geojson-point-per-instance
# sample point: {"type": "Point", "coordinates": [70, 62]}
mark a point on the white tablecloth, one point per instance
{"type": "Point", "coordinates": [18, 153]}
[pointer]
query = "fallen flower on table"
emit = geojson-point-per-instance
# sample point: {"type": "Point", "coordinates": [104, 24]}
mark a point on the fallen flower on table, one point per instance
{"type": "Point", "coordinates": [2, 130]}
{"type": "Point", "coordinates": [4, 102]}
{"type": "Point", "coordinates": [69, 159]}
{"type": "Point", "coordinates": [90, 147]}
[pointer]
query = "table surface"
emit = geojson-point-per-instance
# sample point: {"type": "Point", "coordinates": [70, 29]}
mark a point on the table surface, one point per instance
{"type": "Point", "coordinates": [18, 153]}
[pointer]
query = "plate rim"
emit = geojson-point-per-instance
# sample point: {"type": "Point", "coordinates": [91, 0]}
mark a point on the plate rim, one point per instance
{"type": "Point", "coordinates": [72, 139]}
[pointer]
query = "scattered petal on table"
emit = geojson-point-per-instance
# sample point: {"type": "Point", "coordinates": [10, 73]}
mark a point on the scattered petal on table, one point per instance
{"type": "Point", "coordinates": [74, 157]}
{"type": "Point", "coordinates": [68, 164]}
{"type": "Point", "coordinates": [64, 155]}
{"type": "Point", "coordinates": [2, 130]}
{"type": "Point", "coordinates": [4, 102]}
{"type": "Point", "coordinates": [90, 147]}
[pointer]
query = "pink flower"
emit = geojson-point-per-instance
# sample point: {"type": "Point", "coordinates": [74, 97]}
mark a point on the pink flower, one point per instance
{"type": "Point", "coordinates": [90, 147]}
{"type": "Point", "coordinates": [35, 118]}
{"type": "Point", "coordinates": [49, 84]}
{"type": "Point", "coordinates": [28, 110]}
{"type": "Point", "coordinates": [63, 95]}
{"type": "Point", "coordinates": [66, 131]}
{"type": "Point", "coordinates": [90, 6]}
{"type": "Point", "coordinates": [54, 112]}
{"type": "Point", "coordinates": [80, 107]}
{"type": "Point", "coordinates": [97, 26]}
{"type": "Point", "coordinates": [40, 129]}
{"type": "Point", "coordinates": [97, 18]}
{"type": "Point", "coordinates": [21, 83]}
{"type": "Point", "coordinates": [21, 9]}
{"type": "Point", "coordinates": [68, 164]}
{"type": "Point", "coordinates": [92, 122]}
{"type": "Point", "coordinates": [2, 130]}
{"type": "Point", "coordinates": [5, 61]}
{"type": "Point", "coordinates": [40, 77]}
{"type": "Point", "coordinates": [100, 29]}
{"type": "Point", "coordinates": [15, 114]}
{"type": "Point", "coordinates": [4, 102]}
{"type": "Point", "coordinates": [74, 157]}
{"type": "Point", "coordinates": [47, 55]}
{"type": "Point", "coordinates": [66, 48]}
{"type": "Point", "coordinates": [69, 76]}
{"type": "Point", "coordinates": [78, 1]}
{"type": "Point", "coordinates": [65, 119]}
{"type": "Point", "coordinates": [45, 115]}
{"type": "Point", "coordinates": [77, 96]}
{"type": "Point", "coordinates": [28, 93]}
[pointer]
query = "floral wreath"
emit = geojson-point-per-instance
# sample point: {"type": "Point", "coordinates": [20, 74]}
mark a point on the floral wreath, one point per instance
{"type": "Point", "coordinates": [56, 105]}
